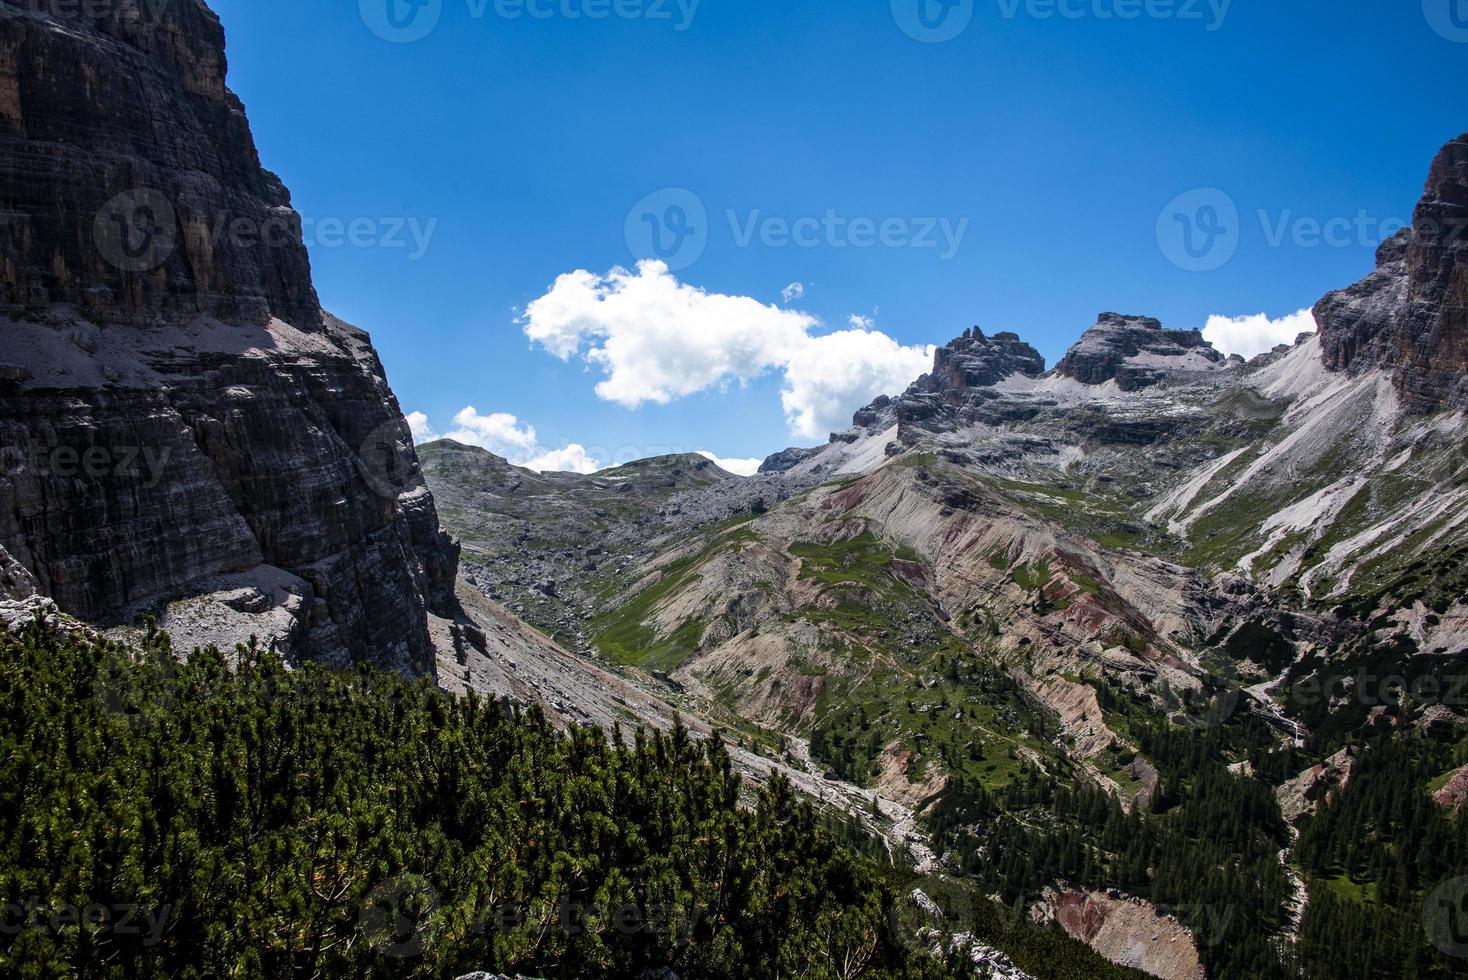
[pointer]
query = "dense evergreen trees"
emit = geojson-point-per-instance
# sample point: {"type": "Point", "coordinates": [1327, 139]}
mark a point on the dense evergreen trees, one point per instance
{"type": "Point", "coordinates": [1375, 854]}
{"type": "Point", "coordinates": [1207, 850]}
{"type": "Point", "coordinates": [227, 817]}
{"type": "Point", "coordinates": [256, 822]}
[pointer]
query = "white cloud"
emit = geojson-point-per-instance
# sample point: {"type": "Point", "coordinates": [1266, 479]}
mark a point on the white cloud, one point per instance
{"type": "Point", "coordinates": [861, 322]}
{"type": "Point", "coordinates": [505, 435]}
{"type": "Point", "coordinates": [739, 467]}
{"type": "Point", "coordinates": [1253, 335]}
{"type": "Point", "coordinates": [501, 433]}
{"type": "Point", "coordinates": [656, 340]}
{"type": "Point", "coordinates": [834, 375]}
{"type": "Point", "coordinates": [792, 292]}
{"type": "Point", "coordinates": [422, 431]}
{"type": "Point", "coordinates": [573, 458]}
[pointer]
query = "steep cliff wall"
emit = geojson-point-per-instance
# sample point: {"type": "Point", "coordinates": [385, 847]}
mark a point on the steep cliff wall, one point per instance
{"type": "Point", "coordinates": [1411, 314]}
{"type": "Point", "coordinates": [177, 414]}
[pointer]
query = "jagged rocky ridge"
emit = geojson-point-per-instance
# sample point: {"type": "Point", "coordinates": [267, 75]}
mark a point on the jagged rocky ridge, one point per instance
{"type": "Point", "coordinates": [180, 417]}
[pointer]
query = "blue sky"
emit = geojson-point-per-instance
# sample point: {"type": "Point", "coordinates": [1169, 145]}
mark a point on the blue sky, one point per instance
{"type": "Point", "coordinates": [1037, 168]}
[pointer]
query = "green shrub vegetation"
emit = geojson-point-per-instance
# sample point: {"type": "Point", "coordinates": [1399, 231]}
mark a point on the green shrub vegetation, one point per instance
{"type": "Point", "coordinates": [275, 823]}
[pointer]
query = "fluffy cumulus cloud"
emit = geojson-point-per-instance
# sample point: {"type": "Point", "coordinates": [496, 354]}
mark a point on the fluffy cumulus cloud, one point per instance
{"type": "Point", "coordinates": [743, 467]}
{"type": "Point", "coordinates": [505, 435]}
{"type": "Point", "coordinates": [500, 432]}
{"type": "Point", "coordinates": [656, 339]}
{"type": "Point", "coordinates": [422, 431]}
{"type": "Point", "coordinates": [571, 458]}
{"type": "Point", "coordinates": [833, 375]}
{"type": "Point", "coordinates": [1250, 336]}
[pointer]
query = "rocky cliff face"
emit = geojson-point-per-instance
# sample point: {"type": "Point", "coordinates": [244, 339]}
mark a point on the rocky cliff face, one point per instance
{"type": "Point", "coordinates": [1410, 316]}
{"type": "Point", "coordinates": [1135, 351]}
{"type": "Point", "coordinates": [976, 361]}
{"type": "Point", "coordinates": [179, 417]}
{"type": "Point", "coordinates": [133, 188]}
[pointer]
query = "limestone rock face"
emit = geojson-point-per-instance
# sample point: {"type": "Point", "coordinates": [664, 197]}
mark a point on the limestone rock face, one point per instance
{"type": "Point", "coordinates": [976, 361]}
{"type": "Point", "coordinates": [787, 459]}
{"type": "Point", "coordinates": [133, 187]}
{"type": "Point", "coordinates": [1411, 315]}
{"type": "Point", "coordinates": [958, 391]}
{"type": "Point", "coordinates": [1135, 351]}
{"type": "Point", "coordinates": [178, 415]}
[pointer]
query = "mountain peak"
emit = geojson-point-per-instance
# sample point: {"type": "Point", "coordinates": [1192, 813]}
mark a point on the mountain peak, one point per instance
{"type": "Point", "coordinates": [1410, 315]}
{"type": "Point", "coordinates": [972, 360]}
{"type": "Point", "coordinates": [1135, 351]}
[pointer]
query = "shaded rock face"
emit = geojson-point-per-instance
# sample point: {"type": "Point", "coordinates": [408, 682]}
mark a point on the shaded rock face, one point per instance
{"type": "Point", "coordinates": [1410, 316]}
{"type": "Point", "coordinates": [789, 458]}
{"type": "Point", "coordinates": [1134, 350]}
{"type": "Point", "coordinates": [176, 411]}
{"type": "Point", "coordinates": [976, 361]}
{"type": "Point", "coordinates": [133, 188]}
{"type": "Point", "coordinates": [959, 388]}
